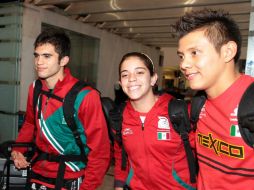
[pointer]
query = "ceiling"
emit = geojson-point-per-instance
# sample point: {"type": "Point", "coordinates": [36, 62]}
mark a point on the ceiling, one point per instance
{"type": "Point", "coordinates": [145, 21]}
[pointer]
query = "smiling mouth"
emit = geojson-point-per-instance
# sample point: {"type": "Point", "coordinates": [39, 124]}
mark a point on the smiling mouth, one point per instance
{"type": "Point", "coordinates": [133, 88]}
{"type": "Point", "coordinates": [190, 76]}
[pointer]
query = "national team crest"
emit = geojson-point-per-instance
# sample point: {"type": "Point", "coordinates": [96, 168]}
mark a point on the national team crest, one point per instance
{"type": "Point", "coordinates": [163, 123]}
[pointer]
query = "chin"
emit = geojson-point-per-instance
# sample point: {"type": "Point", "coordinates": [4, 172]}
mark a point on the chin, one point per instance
{"type": "Point", "coordinates": [42, 76]}
{"type": "Point", "coordinates": [196, 86]}
{"type": "Point", "coordinates": [134, 98]}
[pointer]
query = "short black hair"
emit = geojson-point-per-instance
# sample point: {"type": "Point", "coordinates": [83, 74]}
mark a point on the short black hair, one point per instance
{"type": "Point", "coordinates": [219, 27]}
{"type": "Point", "coordinates": [57, 38]}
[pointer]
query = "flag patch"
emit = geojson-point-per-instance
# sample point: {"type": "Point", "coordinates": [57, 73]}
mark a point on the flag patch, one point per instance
{"type": "Point", "coordinates": [234, 131]}
{"type": "Point", "coordinates": [163, 135]}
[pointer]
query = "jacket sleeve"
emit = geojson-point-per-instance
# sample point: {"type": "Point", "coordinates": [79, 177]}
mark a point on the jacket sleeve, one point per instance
{"type": "Point", "coordinates": [92, 118]}
{"type": "Point", "coordinates": [120, 175]}
{"type": "Point", "coordinates": [26, 133]}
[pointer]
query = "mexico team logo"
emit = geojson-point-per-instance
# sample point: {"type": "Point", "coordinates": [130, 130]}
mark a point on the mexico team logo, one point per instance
{"type": "Point", "coordinates": [163, 130]}
{"type": "Point", "coordinates": [163, 123]}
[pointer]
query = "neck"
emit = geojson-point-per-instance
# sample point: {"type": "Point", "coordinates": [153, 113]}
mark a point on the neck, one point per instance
{"type": "Point", "coordinates": [145, 104]}
{"type": "Point", "coordinates": [223, 84]}
{"type": "Point", "coordinates": [51, 81]}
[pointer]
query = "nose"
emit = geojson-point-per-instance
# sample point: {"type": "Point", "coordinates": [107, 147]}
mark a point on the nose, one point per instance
{"type": "Point", "coordinates": [185, 63]}
{"type": "Point", "coordinates": [132, 77]}
{"type": "Point", "coordinates": [38, 60]}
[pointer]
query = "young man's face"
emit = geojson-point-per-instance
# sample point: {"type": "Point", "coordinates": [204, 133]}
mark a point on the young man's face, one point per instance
{"type": "Point", "coordinates": [201, 64]}
{"type": "Point", "coordinates": [47, 63]}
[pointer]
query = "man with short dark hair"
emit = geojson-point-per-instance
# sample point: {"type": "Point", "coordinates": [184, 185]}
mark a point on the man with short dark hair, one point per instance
{"type": "Point", "coordinates": [47, 125]}
{"type": "Point", "coordinates": [209, 47]}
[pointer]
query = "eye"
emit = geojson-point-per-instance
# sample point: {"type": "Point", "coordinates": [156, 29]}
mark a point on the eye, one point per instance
{"type": "Point", "coordinates": [180, 56]}
{"type": "Point", "coordinates": [36, 55]}
{"type": "Point", "coordinates": [194, 52]}
{"type": "Point", "coordinates": [124, 75]}
{"type": "Point", "coordinates": [47, 55]}
{"type": "Point", "coordinates": [140, 72]}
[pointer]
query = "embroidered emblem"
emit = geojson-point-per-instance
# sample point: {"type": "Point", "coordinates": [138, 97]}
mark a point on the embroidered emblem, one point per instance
{"type": "Point", "coordinates": [163, 123]}
{"type": "Point", "coordinates": [127, 131]}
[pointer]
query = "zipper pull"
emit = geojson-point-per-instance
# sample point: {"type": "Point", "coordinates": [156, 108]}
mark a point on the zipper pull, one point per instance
{"type": "Point", "coordinates": [143, 126]}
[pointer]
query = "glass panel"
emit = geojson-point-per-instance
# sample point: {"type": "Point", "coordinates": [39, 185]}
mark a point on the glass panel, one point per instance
{"type": "Point", "coordinates": [10, 41]}
{"type": "Point", "coordinates": [8, 32]}
{"type": "Point", "coordinates": [7, 71]}
{"type": "Point", "coordinates": [8, 49]}
{"type": "Point", "coordinates": [8, 98]}
{"type": "Point", "coordinates": [8, 129]}
{"type": "Point", "coordinates": [7, 20]}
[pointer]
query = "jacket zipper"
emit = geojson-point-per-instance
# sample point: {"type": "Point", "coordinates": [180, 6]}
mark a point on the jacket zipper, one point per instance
{"type": "Point", "coordinates": [142, 126]}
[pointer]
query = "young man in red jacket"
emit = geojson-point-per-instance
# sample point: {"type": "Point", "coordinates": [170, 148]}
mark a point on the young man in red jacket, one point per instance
{"type": "Point", "coordinates": [209, 48]}
{"type": "Point", "coordinates": [48, 128]}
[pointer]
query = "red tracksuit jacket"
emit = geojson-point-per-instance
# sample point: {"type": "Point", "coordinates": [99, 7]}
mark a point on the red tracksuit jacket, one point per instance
{"type": "Point", "coordinates": [156, 154]}
{"type": "Point", "coordinates": [225, 160]}
{"type": "Point", "coordinates": [54, 136]}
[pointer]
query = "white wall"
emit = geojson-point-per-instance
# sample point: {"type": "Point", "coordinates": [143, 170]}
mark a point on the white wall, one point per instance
{"type": "Point", "coordinates": [112, 48]}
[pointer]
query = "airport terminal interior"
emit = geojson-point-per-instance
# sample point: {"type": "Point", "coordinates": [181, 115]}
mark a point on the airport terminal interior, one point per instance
{"type": "Point", "coordinates": [101, 32]}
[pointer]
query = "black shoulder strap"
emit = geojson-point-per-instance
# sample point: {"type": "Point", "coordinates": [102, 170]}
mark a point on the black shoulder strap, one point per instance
{"type": "Point", "coordinates": [37, 91]}
{"type": "Point", "coordinates": [107, 105]}
{"type": "Point", "coordinates": [116, 119]}
{"type": "Point", "coordinates": [197, 103]}
{"type": "Point", "coordinates": [246, 116]}
{"type": "Point", "coordinates": [69, 111]}
{"type": "Point", "coordinates": [178, 114]}
{"type": "Point", "coordinates": [179, 117]}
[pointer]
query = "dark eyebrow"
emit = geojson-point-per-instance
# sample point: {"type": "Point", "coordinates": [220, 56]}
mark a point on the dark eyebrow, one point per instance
{"type": "Point", "coordinates": [123, 71]}
{"type": "Point", "coordinates": [144, 68]}
{"type": "Point", "coordinates": [44, 54]}
{"type": "Point", "coordinates": [178, 52]}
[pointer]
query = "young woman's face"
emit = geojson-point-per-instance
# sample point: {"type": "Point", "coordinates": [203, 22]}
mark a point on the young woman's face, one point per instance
{"type": "Point", "coordinates": [201, 64]}
{"type": "Point", "coordinates": [135, 78]}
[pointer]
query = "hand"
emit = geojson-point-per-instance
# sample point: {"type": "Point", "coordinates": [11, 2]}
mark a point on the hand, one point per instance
{"type": "Point", "coordinates": [118, 188]}
{"type": "Point", "coordinates": [19, 160]}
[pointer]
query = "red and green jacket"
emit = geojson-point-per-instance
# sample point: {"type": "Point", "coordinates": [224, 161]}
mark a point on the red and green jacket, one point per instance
{"type": "Point", "coordinates": [53, 136]}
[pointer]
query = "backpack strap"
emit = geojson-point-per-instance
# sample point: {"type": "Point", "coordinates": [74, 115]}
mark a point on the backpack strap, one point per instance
{"type": "Point", "coordinates": [69, 111]}
{"type": "Point", "coordinates": [107, 105]}
{"type": "Point", "coordinates": [178, 114]}
{"type": "Point", "coordinates": [37, 91]}
{"type": "Point", "coordinates": [246, 116]}
{"type": "Point", "coordinates": [116, 119]}
{"type": "Point", "coordinates": [197, 103]}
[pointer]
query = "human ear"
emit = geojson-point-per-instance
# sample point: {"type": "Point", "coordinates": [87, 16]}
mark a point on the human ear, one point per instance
{"type": "Point", "coordinates": [119, 82]}
{"type": "Point", "coordinates": [64, 61]}
{"type": "Point", "coordinates": [229, 51]}
{"type": "Point", "coordinates": [154, 79]}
